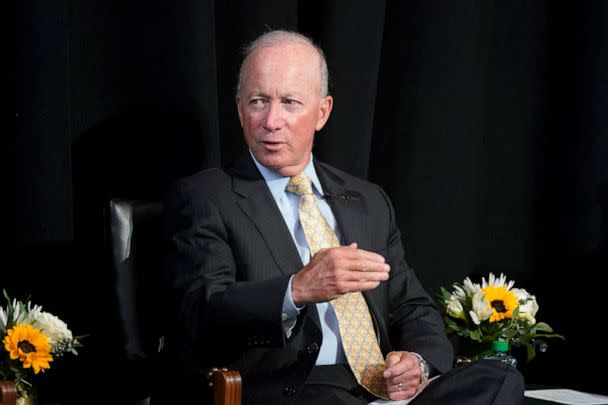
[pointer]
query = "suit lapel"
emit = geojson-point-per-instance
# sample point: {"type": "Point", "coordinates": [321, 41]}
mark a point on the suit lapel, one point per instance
{"type": "Point", "coordinates": [259, 205]}
{"type": "Point", "coordinates": [347, 205]}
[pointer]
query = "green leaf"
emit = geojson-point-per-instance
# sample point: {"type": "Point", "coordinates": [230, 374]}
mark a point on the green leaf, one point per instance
{"type": "Point", "coordinates": [548, 335]}
{"type": "Point", "coordinates": [445, 294]}
{"type": "Point", "coordinates": [476, 335]}
{"type": "Point", "coordinates": [542, 327]}
{"type": "Point", "coordinates": [530, 352]}
{"type": "Point", "coordinates": [515, 316]}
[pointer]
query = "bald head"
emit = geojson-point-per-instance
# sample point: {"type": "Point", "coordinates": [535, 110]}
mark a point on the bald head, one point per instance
{"type": "Point", "coordinates": [278, 38]}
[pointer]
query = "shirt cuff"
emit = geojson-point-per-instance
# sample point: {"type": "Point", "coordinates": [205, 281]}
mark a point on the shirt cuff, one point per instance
{"type": "Point", "coordinates": [290, 311]}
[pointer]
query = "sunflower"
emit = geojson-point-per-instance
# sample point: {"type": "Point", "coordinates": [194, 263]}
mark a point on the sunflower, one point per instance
{"type": "Point", "coordinates": [30, 346]}
{"type": "Point", "coordinates": [502, 301]}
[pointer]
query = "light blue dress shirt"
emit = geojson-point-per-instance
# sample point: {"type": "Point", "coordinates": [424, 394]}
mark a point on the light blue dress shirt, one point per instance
{"type": "Point", "coordinates": [331, 351]}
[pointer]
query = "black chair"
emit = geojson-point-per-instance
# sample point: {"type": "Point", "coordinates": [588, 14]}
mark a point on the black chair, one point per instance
{"type": "Point", "coordinates": [136, 262]}
{"type": "Point", "coordinates": [135, 242]}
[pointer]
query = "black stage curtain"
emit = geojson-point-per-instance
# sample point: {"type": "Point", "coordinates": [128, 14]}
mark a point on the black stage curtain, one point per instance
{"type": "Point", "coordinates": [485, 121]}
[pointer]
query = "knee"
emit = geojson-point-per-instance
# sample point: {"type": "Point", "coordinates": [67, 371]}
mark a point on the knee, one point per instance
{"type": "Point", "coordinates": [510, 384]}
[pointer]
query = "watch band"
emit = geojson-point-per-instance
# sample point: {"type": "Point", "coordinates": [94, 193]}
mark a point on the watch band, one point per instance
{"type": "Point", "coordinates": [424, 368]}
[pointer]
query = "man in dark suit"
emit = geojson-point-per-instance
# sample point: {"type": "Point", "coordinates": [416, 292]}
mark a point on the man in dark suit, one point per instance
{"type": "Point", "coordinates": [251, 296]}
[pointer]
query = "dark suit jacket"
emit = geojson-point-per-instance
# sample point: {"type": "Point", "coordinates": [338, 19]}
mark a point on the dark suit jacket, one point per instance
{"type": "Point", "coordinates": [230, 259]}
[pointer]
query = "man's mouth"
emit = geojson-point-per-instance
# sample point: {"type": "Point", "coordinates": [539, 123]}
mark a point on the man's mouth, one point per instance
{"type": "Point", "coordinates": [272, 145]}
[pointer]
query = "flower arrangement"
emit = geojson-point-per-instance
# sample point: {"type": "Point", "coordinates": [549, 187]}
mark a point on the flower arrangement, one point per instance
{"type": "Point", "coordinates": [494, 310]}
{"type": "Point", "coordinates": [32, 339]}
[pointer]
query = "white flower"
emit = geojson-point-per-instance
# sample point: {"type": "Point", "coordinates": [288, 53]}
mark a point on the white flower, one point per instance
{"type": "Point", "coordinates": [35, 308]}
{"type": "Point", "coordinates": [481, 309]}
{"type": "Point", "coordinates": [497, 282]}
{"type": "Point", "coordinates": [3, 319]}
{"type": "Point", "coordinates": [53, 327]}
{"type": "Point", "coordinates": [454, 308]}
{"type": "Point", "coordinates": [20, 311]}
{"type": "Point", "coordinates": [469, 287]}
{"type": "Point", "coordinates": [528, 307]}
{"type": "Point", "coordinates": [22, 401]}
{"type": "Point", "coordinates": [459, 293]}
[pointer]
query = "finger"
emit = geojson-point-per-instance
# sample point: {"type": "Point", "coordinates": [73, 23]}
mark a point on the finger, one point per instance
{"type": "Point", "coordinates": [400, 367]}
{"type": "Point", "coordinates": [366, 272]}
{"type": "Point", "coordinates": [398, 393]}
{"type": "Point", "coordinates": [398, 370]}
{"type": "Point", "coordinates": [343, 251]}
{"type": "Point", "coordinates": [399, 390]}
{"type": "Point", "coordinates": [365, 276]}
{"type": "Point", "coordinates": [366, 254]}
{"type": "Point", "coordinates": [353, 252]}
{"type": "Point", "coordinates": [352, 286]}
{"type": "Point", "coordinates": [393, 358]}
{"type": "Point", "coordinates": [404, 385]}
{"type": "Point", "coordinates": [349, 258]}
{"type": "Point", "coordinates": [368, 266]}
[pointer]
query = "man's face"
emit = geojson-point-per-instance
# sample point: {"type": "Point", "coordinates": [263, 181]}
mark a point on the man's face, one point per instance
{"type": "Point", "coordinates": [280, 106]}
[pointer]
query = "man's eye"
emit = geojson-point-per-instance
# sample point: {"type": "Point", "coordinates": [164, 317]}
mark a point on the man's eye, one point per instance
{"type": "Point", "coordinates": [291, 104]}
{"type": "Point", "coordinates": [257, 103]}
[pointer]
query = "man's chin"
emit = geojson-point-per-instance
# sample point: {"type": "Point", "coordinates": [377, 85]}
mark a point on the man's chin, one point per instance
{"type": "Point", "coordinates": [281, 167]}
{"type": "Point", "coordinates": [270, 160]}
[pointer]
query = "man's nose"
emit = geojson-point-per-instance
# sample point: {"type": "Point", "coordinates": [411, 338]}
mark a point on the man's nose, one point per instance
{"type": "Point", "coordinates": [274, 117]}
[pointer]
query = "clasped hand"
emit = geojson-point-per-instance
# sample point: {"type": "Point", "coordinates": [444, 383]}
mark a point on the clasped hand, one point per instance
{"type": "Point", "coordinates": [336, 271]}
{"type": "Point", "coordinates": [402, 375]}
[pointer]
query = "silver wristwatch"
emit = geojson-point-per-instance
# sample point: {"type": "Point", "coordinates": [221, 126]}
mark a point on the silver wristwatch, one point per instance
{"type": "Point", "coordinates": [424, 368]}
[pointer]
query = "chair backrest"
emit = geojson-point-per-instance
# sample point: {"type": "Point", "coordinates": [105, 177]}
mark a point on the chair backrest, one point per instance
{"type": "Point", "coordinates": [135, 239]}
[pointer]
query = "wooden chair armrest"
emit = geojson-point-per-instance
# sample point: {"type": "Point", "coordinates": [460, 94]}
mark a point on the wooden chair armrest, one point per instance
{"type": "Point", "coordinates": [227, 386]}
{"type": "Point", "coordinates": [8, 393]}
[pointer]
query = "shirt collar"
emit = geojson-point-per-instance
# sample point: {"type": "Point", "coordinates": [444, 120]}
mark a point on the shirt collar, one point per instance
{"type": "Point", "coordinates": [277, 183]}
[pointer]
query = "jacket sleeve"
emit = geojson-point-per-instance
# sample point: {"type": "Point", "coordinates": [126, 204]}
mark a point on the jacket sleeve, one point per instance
{"type": "Point", "coordinates": [215, 313]}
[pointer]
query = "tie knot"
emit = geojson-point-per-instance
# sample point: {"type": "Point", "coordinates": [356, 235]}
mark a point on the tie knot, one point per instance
{"type": "Point", "coordinates": [299, 185]}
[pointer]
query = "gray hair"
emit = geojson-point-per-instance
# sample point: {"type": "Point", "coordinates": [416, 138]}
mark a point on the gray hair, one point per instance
{"type": "Point", "coordinates": [275, 37]}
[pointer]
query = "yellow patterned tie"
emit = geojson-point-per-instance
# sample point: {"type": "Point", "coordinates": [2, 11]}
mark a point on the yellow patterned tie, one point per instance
{"type": "Point", "coordinates": [356, 328]}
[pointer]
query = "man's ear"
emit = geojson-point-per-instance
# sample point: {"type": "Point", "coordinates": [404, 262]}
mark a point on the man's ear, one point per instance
{"type": "Point", "coordinates": [238, 109]}
{"type": "Point", "coordinates": [324, 110]}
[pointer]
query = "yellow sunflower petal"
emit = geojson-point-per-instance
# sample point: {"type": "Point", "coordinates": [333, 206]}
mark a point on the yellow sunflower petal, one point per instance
{"type": "Point", "coordinates": [30, 346]}
{"type": "Point", "coordinates": [502, 302]}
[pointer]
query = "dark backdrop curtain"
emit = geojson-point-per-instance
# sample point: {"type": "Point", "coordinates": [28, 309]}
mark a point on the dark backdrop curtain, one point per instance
{"type": "Point", "coordinates": [485, 121]}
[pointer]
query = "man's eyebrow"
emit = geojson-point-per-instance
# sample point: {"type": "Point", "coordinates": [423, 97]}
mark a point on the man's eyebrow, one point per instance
{"type": "Point", "coordinates": [258, 94]}
{"type": "Point", "coordinates": [294, 94]}
{"type": "Point", "coordinates": [291, 95]}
